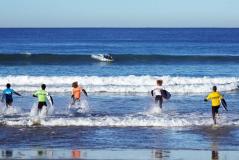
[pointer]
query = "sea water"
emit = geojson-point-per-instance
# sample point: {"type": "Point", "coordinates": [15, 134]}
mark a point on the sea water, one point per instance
{"type": "Point", "coordinates": [122, 113]}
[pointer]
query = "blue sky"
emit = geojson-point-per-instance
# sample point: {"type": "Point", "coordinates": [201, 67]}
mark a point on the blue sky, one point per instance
{"type": "Point", "coordinates": [119, 13]}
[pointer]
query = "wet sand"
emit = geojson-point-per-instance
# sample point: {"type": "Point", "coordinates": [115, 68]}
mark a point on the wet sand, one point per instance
{"type": "Point", "coordinates": [154, 154]}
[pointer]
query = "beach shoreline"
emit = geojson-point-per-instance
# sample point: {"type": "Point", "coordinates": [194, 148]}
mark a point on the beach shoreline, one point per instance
{"type": "Point", "coordinates": [154, 154]}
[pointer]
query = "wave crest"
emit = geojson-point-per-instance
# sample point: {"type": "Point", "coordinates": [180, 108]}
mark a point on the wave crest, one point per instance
{"type": "Point", "coordinates": [121, 84]}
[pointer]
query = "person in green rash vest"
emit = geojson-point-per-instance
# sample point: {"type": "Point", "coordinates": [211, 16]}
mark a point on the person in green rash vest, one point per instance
{"type": "Point", "coordinates": [42, 97]}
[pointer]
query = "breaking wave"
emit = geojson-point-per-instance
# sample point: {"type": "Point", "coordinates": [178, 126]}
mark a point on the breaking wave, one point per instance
{"type": "Point", "coordinates": [121, 84]}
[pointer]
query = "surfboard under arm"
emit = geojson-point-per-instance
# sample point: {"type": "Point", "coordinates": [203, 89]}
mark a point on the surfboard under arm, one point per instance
{"type": "Point", "coordinates": [165, 94]}
{"type": "Point", "coordinates": [50, 100]}
{"type": "Point", "coordinates": [224, 104]}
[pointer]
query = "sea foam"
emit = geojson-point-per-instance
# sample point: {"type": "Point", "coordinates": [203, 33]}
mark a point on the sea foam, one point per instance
{"type": "Point", "coordinates": [121, 84]}
{"type": "Point", "coordinates": [130, 120]}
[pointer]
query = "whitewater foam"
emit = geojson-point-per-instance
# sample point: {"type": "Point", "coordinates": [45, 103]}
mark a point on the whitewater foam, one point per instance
{"type": "Point", "coordinates": [122, 84]}
{"type": "Point", "coordinates": [131, 120]}
{"type": "Point", "coordinates": [11, 110]}
{"type": "Point", "coordinates": [81, 106]}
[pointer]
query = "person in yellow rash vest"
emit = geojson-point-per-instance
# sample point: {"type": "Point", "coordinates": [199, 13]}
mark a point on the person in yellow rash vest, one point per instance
{"type": "Point", "coordinates": [42, 97]}
{"type": "Point", "coordinates": [215, 97]}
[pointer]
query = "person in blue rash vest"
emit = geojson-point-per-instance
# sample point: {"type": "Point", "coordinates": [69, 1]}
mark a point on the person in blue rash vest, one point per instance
{"type": "Point", "coordinates": [7, 95]}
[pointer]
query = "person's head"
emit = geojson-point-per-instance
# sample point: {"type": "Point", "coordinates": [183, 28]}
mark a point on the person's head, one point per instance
{"type": "Point", "coordinates": [159, 82]}
{"type": "Point", "coordinates": [214, 88]}
{"type": "Point", "coordinates": [43, 86]}
{"type": "Point", "coordinates": [74, 84]}
{"type": "Point", "coordinates": [8, 85]}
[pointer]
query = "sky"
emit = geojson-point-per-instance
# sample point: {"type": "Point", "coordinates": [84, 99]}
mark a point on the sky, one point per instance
{"type": "Point", "coordinates": [119, 13]}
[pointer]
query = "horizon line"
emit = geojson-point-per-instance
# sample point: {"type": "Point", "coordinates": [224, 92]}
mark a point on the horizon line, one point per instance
{"type": "Point", "coordinates": [119, 27]}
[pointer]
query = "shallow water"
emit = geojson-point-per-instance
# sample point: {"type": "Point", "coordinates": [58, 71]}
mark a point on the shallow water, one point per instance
{"type": "Point", "coordinates": [121, 113]}
{"type": "Point", "coordinates": [125, 121]}
{"type": "Point", "coordinates": [154, 154]}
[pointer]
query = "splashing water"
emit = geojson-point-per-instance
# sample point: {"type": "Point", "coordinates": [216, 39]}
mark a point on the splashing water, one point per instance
{"type": "Point", "coordinates": [11, 110]}
{"type": "Point", "coordinates": [45, 111]}
{"type": "Point", "coordinates": [154, 109]}
{"type": "Point", "coordinates": [81, 106]}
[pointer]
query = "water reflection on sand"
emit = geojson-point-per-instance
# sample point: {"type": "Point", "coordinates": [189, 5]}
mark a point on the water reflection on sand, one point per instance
{"type": "Point", "coordinates": [154, 154]}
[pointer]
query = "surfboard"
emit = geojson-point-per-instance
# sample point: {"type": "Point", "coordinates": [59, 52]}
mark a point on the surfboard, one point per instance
{"type": "Point", "coordinates": [224, 104]}
{"type": "Point", "coordinates": [165, 94]}
{"type": "Point", "coordinates": [50, 104]}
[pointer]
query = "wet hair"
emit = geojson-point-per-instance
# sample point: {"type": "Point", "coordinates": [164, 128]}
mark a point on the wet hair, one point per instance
{"type": "Point", "coordinates": [8, 85]}
{"type": "Point", "coordinates": [43, 86]}
{"type": "Point", "coordinates": [214, 88]}
{"type": "Point", "coordinates": [159, 82]}
{"type": "Point", "coordinates": [74, 84]}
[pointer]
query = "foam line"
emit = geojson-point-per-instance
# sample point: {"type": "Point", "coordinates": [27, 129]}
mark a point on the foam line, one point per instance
{"type": "Point", "coordinates": [121, 84]}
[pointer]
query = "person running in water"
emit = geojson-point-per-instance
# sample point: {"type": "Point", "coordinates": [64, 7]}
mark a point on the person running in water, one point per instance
{"type": "Point", "coordinates": [156, 93]}
{"type": "Point", "coordinates": [76, 92]}
{"type": "Point", "coordinates": [215, 97]}
{"type": "Point", "coordinates": [7, 95]}
{"type": "Point", "coordinates": [42, 97]}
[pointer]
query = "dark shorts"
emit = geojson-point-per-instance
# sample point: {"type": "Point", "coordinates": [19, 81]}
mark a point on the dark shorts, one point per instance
{"type": "Point", "coordinates": [9, 101]}
{"type": "Point", "coordinates": [158, 98]}
{"type": "Point", "coordinates": [41, 104]}
{"type": "Point", "coordinates": [215, 110]}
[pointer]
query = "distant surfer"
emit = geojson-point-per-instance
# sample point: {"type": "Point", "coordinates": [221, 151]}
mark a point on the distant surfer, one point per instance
{"type": "Point", "coordinates": [7, 95]}
{"type": "Point", "coordinates": [216, 98]}
{"type": "Point", "coordinates": [42, 97]}
{"type": "Point", "coordinates": [102, 57]}
{"type": "Point", "coordinates": [108, 56]}
{"type": "Point", "coordinates": [76, 92]}
{"type": "Point", "coordinates": [156, 93]}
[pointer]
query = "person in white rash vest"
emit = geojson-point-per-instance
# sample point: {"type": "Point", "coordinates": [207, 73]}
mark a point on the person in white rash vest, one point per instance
{"type": "Point", "coordinates": [156, 93]}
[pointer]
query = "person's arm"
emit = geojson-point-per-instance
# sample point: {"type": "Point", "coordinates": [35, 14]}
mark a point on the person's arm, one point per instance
{"type": "Point", "coordinates": [72, 94]}
{"type": "Point", "coordinates": [35, 94]}
{"type": "Point", "coordinates": [17, 93]}
{"type": "Point", "coordinates": [207, 98]}
{"type": "Point", "coordinates": [84, 91]}
{"type": "Point", "coordinates": [152, 93]}
{"type": "Point", "coordinates": [221, 96]}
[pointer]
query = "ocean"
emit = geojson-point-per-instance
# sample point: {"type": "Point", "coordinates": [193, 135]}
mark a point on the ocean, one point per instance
{"type": "Point", "coordinates": [121, 114]}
